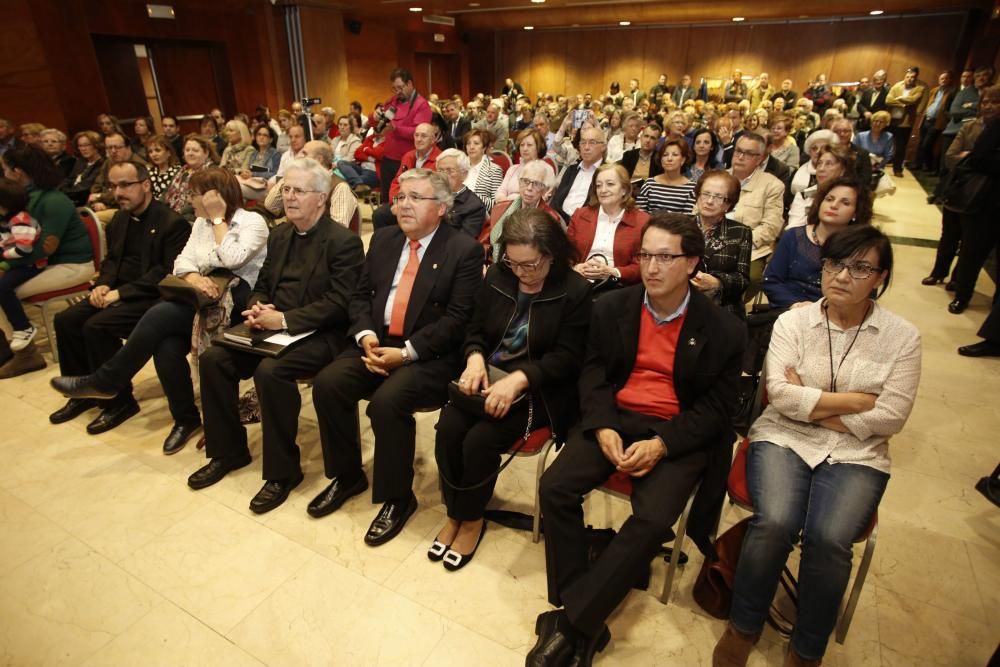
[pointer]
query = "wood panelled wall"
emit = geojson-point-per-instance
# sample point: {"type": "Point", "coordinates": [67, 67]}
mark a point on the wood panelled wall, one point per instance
{"type": "Point", "coordinates": [574, 61]}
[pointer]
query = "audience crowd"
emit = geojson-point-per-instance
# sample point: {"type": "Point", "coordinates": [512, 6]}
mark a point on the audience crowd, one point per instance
{"type": "Point", "coordinates": [580, 265]}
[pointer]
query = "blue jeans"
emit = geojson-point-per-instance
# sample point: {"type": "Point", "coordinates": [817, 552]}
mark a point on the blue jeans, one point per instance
{"type": "Point", "coordinates": [830, 505]}
{"type": "Point", "coordinates": [355, 175]}
{"type": "Point", "coordinates": [11, 305]}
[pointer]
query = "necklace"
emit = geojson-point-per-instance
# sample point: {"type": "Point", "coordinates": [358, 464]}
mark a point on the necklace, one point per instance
{"type": "Point", "coordinates": [829, 339]}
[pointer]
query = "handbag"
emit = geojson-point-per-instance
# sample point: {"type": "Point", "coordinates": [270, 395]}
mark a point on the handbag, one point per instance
{"type": "Point", "coordinates": [178, 290]}
{"type": "Point", "coordinates": [713, 589]}
{"type": "Point", "coordinates": [966, 190]}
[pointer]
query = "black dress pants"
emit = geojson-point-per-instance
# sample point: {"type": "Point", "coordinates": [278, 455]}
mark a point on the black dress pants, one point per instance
{"type": "Point", "coordinates": [951, 236]}
{"type": "Point", "coordinates": [901, 137]}
{"type": "Point", "coordinates": [980, 235]}
{"type": "Point", "coordinates": [928, 137]}
{"type": "Point", "coordinates": [468, 450]}
{"type": "Point", "coordinates": [383, 217]}
{"type": "Point", "coordinates": [87, 337]}
{"type": "Point", "coordinates": [590, 596]}
{"type": "Point", "coordinates": [222, 368]}
{"type": "Point", "coordinates": [392, 402]}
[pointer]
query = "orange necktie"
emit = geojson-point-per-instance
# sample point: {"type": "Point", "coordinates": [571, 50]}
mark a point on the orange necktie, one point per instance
{"type": "Point", "coordinates": [403, 291]}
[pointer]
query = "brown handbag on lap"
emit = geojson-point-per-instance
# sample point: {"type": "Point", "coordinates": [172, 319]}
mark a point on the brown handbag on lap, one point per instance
{"type": "Point", "coordinates": [179, 290]}
{"type": "Point", "coordinates": [713, 589]}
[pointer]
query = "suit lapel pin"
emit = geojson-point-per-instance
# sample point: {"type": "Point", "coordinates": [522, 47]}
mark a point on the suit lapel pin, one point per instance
{"type": "Point", "coordinates": [691, 342]}
{"type": "Point", "coordinates": [434, 267]}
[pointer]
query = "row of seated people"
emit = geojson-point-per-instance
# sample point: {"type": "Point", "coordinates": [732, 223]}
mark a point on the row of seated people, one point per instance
{"type": "Point", "coordinates": [656, 364]}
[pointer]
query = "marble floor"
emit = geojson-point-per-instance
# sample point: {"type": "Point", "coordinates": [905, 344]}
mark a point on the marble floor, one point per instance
{"type": "Point", "coordinates": [107, 558]}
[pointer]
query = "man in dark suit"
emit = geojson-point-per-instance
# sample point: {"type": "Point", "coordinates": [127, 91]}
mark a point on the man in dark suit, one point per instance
{"type": "Point", "coordinates": [144, 237]}
{"type": "Point", "coordinates": [872, 100]}
{"type": "Point", "coordinates": [571, 193]}
{"type": "Point", "coordinates": [656, 393]}
{"type": "Point", "coordinates": [639, 162]}
{"type": "Point", "coordinates": [467, 213]}
{"type": "Point", "coordinates": [305, 285]}
{"type": "Point", "coordinates": [683, 92]}
{"type": "Point", "coordinates": [457, 124]}
{"type": "Point", "coordinates": [408, 318]}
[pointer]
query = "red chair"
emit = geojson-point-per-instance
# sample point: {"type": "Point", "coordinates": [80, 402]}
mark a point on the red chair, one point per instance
{"type": "Point", "coordinates": [501, 159]}
{"type": "Point", "coordinates": [355, 224]}
{"type": "Point", "coordinates": [45, 300]}
{"type": "Point", "coordinates": [739, 494]}
{"type": "Point", "coordinates": [540, 441]}
{"type": "Point", "coordinates": [619, 485]}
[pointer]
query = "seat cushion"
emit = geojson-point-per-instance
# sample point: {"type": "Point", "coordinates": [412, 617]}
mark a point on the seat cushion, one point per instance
{"type": "Point", "coordinates": [536, 440]}
{"type": "Point", "coordinates": [55, 294]}
{"type": "Point", "coordinates": [737, 485]}
{"type": "Point", "coordinates": [619, 482]}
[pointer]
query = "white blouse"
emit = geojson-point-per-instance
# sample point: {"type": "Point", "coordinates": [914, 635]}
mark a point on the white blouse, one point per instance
{"type": "Point", "coordinates": [604, 235]}
{"type": "Point", "coordinates": [242, 250]}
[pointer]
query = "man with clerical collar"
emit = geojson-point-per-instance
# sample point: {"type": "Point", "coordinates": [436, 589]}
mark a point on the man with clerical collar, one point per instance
{"type": "Point", "coordinates": [304, 287]}
{"type": "Point", "coordinates": [144, 238]}
{"type": "Point", "coordinates": [656, 395]}
{"type": "Point", "coordinates": [408, 320]}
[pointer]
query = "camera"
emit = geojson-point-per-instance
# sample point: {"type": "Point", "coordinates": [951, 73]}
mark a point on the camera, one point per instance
{"type": "Point", "coordinates": [384, 117]}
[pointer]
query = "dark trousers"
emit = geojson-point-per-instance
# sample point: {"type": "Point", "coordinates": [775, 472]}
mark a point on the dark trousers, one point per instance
{"type": "Point", "coordinates": [590, 596]}
{"type": "Point", "coordinates": [392, 402]}
{"type": "Point", "coordinates": [383, 217]}
{"type": "Point", "coordinates": [951, 236]}
{"type": "Point", "coordinates": [89, 337]}
{"type": "Point", "coordinates": [901, 137]}
{"type": "Point", "coordinates": [222, 368]}
{"type": "Point", "coordinates": [980, 236]}
{"type": "Point", "coordinates": [991, 327]}
{"type": "Point", "coordinates": [163, 333]}
{"type": "Point", "coordinates": [11, 305]}
{"type": "Point", "coordinates": [388, 172]}
{"type": "Point", "coordinates": [946, 140]}
{"type": "Point", "coordinates": [468, 450]}
{"type": "Point", "coordinates": [928, 137]}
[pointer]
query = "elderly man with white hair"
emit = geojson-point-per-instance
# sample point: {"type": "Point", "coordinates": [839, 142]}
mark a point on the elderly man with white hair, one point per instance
{"type": "Point", "coordinates": [53, 142]}
{"type": "Point", "coordinates": [468, 212]}
{"type": "Point", "coordinates": [304, 287]}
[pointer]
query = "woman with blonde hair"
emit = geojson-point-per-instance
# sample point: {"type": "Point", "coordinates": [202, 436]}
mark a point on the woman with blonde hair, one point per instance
{"type": "Point", "coordinates": [239, 150]}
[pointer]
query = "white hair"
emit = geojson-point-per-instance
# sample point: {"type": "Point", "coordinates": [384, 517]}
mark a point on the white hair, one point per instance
{"type": "Point", "coordinates": [461, 158]}
{"type": "Point", "coordinates": [820, 135]}
{"type": "Point", "coordinates": [539, 170]}
{"type": "Point", "coordinates": [60, 137]}
{"type": "Point", "coordinates": [319, 177]}
{"type": "Point", "coordinates": [442, 188]}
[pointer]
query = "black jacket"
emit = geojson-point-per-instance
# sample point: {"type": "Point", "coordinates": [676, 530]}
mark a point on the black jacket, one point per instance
{"type": "Point", "coordinates": [871, 100]}
{"type": "Point", "coordinates": [337, 256]}
{"type": "Point", "coordinates": [562, 190]}
{"type": "Point", "coordinates": [467, 213]}
{"type": "Point", "coordinates": [557, 336]}
{"type": "Point", "coordinates": [706, 372]}
{"type": "Point", "coordinates": [444, 290]}
{"type": "Point", "coordinates": [463, 126]}
{"type": "Point", "coordinates": [631, 158]}
{"type": "Point", "coordinates": [165, 237]}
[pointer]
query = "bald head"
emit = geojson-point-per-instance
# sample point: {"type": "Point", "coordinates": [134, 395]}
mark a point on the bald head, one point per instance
{"type": "Point", "coordinates": [424, 136]}
{"type": "Point", "coordinates": [320, 151]}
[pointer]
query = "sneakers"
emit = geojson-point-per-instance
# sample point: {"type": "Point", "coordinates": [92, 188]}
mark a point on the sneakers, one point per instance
{"type": "Point", "coordinates": [21, 339]}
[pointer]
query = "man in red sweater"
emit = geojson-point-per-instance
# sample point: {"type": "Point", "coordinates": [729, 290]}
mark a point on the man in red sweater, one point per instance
{"type": "Point", "coordinates": [408, 109]}
{"type": "Point", "coordinates": [423, 155]}
{"type": "Point", "coordinates": [657, 391]}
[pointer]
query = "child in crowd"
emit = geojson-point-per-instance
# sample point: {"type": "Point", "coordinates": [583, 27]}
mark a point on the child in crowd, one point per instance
{"type": "Point", "coordinates": [21, 255]}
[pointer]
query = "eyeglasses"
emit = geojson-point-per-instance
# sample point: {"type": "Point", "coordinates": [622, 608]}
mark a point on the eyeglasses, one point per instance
{"type": "Point", "coordinates": [287, 190]}
{"type": "Point", "coordinates": [711, 196]}
{"type": "Point", "coordinates": [591, 142]}
{"type": "Point", "coordinates": [522, 266]}
{"type": "Point", "coordinates": [664, 258]}
{"type": "Point", "coordinates": [739, 153]}
{"type": "Point", "coordinates": [448, 171]}
{"type": "Point", "coordinates": [528, 183]}
{"type": "Point", "coordinates": [402, 198]}
{"type": "Point", "coordinates": [122, 185]}
{"type": "Point", "coordinates": [859, 271]}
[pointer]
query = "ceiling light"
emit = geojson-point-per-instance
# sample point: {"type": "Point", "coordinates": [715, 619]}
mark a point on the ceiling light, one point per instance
{"type": "Point", "coordinates": [624, 23]}
{"type": "Point", "coordinates": [473, 4]}
{"type": "Point", "coordinates": [529, 27]}
{"type": "Point", "coordinates": [538, 2]}
{"type": "Point", "coordinates": [876, 12]}
{"type": "Point", "coordinates": [416, 9]}
{"type": "Point", "coordinates": [738, 19]}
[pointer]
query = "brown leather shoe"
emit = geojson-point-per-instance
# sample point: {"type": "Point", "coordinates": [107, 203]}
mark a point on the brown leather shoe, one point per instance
{"type": "Point", "coordinates": [792, 659]}
{"type": "Point", "coordinates": [26, 361]}
{"type": "Point", "coordinates": [733, 648]}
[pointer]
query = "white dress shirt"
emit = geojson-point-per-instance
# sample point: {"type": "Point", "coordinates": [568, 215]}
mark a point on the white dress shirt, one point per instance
{"type": "Point", "coordinates": [581, 186]}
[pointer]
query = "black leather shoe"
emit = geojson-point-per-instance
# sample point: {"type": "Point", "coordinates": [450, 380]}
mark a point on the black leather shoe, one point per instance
{"type": "Point", "coordinates": [273, 493]}
{"type": "Point", "coordinates": [931, 280]}
{"type": "Point", "coordinates": [215, 470]}
{"type": "Point", "coordinates": [931, 199]}
{"type": "Point", "coordinates": [957, 306]}
{"type": "Point", "coordinates": [588, 647]}
{"type": "Point", "coordinates": [80, 386]}
{"type": "Point", "coordinates": [335, 495]}
{"type": "Point", "coordinates": [179, 435]}
{"type": "Point", "coordinates": [113, 417]}
{"type": "Point", "coordinates": [74, 408]}
{"type": "Point", "coordinates": [557, 641]}
{"type": "Point", "coordinates": [390, 520]}
{"type": "Point", "coordinates": [456, 561]}
{"type": "Point", "coordinates": [949, 286]}
{"type": "Point", "coordinates": [985, 348]}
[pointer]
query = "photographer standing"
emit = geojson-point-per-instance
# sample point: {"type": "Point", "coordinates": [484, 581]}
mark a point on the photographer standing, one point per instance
{"type": "Point", "coordinates": [399, 117]}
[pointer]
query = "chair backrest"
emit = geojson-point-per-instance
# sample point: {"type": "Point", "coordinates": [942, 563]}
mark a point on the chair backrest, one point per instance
{"type": "Point", "coordinates": [355, 224]}
{"type": "Point", "coordinates": [95, 231]}
{"type": "Point", "coordinates": [501, 159]}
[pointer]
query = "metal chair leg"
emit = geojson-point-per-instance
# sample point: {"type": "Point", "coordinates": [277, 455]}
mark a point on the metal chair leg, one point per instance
{"type": "Point", "coordinates": [678, 547]}
{"type": "Point", "coordinates": [859, 581]}
{"type": "Point", "coordinates": [49, 324]}
{"type": "Point", "coordinates": [536, 524]}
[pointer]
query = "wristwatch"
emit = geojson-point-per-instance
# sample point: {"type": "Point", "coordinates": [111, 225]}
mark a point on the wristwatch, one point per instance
{"type": "Point", "coordinates": [284, 324]}
{"type": "Point", "coordinates": [218, 221]}
{"type": "Point", "coordinates": [405, 355]}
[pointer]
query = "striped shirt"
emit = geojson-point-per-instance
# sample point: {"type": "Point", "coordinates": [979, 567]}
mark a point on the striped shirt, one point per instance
{"type": "Point", "coordinates": [655, 197]}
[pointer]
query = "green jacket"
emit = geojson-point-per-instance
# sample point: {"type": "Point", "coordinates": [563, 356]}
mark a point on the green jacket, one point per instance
{"type": "Point", "coordinates": [58, 217]}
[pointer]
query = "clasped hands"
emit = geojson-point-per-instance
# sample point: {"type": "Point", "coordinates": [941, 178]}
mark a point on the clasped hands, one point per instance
{"type": "Point", "coordinates": [500, 396]}
{"type": "Point", "coordinates": [103, 296]}
{"type": "Point", "coordinates": [263, 316]}
{"type": "Point", "coordinates": [380, 360]}
{"type": "Point", "coordinates": [595, 269]}
{"type": "Point", "coordinates": [637, 459]}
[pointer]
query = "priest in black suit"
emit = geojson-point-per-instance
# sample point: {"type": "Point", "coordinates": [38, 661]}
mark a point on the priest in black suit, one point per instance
{"type": "Point", "coordinates": [659, 383]}
{"type": "Point", "coordinates": [305, 284]}
{"type": "Point", "coordinates": [408, 319]}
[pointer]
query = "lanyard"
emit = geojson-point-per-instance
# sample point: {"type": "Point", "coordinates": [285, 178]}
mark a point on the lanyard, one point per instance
{"type": "Point", "coordinates": [829, 338]}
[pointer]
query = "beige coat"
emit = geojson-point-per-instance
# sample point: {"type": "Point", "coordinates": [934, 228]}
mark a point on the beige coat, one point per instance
{"type": "Point", "coordinates": [760, 208]}
{"type": "Point", "coordinates": [911, 103]}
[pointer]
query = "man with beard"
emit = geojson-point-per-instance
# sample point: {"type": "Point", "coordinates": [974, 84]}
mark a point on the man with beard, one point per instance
{"type": "Point", "coordinates": [409, 110]}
